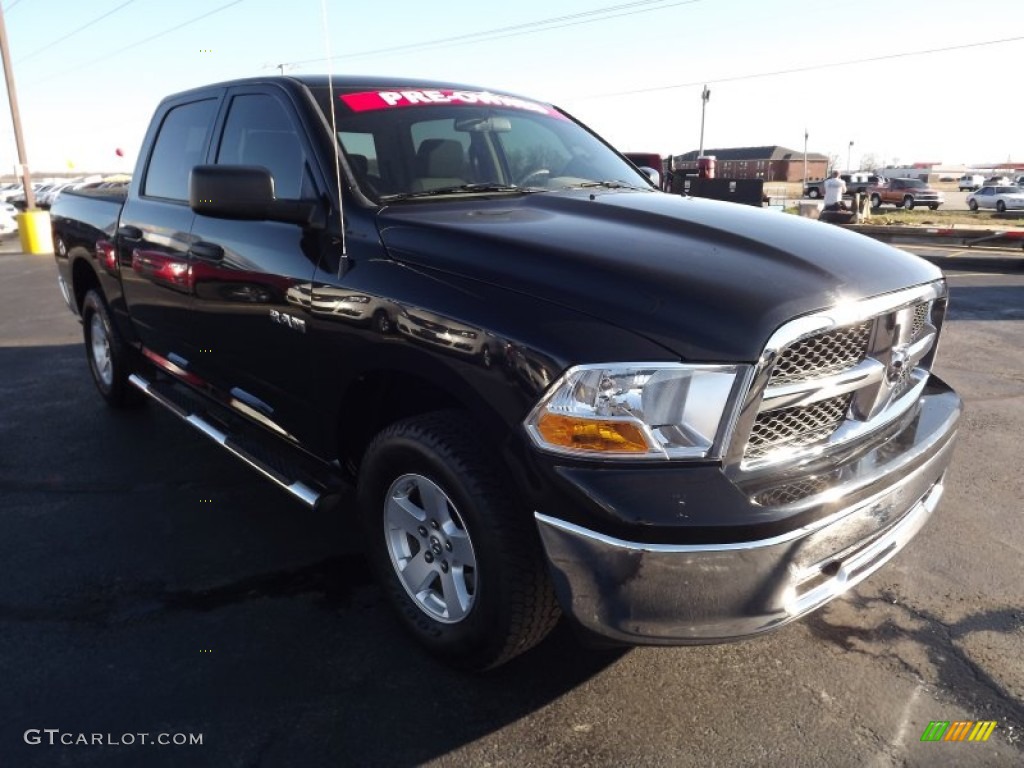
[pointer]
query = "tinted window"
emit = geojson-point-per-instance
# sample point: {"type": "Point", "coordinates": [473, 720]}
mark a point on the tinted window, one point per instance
{"type": "Point", "coordinates": [259, 131]}
{"type": "Point", "coordinates": [180, 144]}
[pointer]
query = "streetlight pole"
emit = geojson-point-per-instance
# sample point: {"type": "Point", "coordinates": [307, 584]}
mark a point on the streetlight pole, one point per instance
{"type": "Point", "coordinates": [849, 149]}
{"type": "Point", "coordinates": [805, 156]}
{"type": "Point", "coordinates": [704, 96]}
{"type": "Point", "coordinates": [12, 96]}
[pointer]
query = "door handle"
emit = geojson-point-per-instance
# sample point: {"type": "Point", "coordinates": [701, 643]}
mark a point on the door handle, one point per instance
{"type": "Point", "coordinates": [206, 251]}
{"type": "Point", "coordinates": [128, 232]}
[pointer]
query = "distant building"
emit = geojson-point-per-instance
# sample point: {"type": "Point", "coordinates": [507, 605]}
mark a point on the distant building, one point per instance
{"type": "Point", "coordinates": [771, 163]}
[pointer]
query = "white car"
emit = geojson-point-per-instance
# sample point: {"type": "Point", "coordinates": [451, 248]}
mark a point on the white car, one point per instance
{"type": "Point", "coordinates": [970, 181]}
{"type": "Point", "coordinates": [1002, 198]}
{"type": "Point", "coordinates": [8, 223]}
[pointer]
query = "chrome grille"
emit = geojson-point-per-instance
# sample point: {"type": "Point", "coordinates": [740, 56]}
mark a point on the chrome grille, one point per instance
{"type": "Point", "coordinates": [781, 495]}
{"type": "Point", "coordinates": [822, 355]}
{"type": "Point", "coordinates": [849, 377]}
{"type": "Point", "coordinates": [796, 427]}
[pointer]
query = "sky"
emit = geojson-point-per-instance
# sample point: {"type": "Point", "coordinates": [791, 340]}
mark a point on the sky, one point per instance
{"type": "Point", "coordinates": [90, 73]}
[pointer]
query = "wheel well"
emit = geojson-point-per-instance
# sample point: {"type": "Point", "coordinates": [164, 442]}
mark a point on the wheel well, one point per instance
{"type": "Point", "coordinates": [384, 397]}
{"type": "Point", "coordinates": [83, 280]}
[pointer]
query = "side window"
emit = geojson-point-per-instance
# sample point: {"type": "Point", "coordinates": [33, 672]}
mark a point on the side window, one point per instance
{"type": "Point", "coordinates": [180, 145]}
{"type": "Point", "coordinates": [259, 131]}
{"type": "Point", "coordinates": [362, 152]}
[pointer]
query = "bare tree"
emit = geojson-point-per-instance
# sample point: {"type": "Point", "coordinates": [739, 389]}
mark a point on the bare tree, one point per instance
{"type": "Point", "coordinates": [871, 162]}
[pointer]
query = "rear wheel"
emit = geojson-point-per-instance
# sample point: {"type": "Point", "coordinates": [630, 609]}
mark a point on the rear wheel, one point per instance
{"type": "Point", "coordinates": [457, 556]}
{"type": "Point", "coordinates": [813, 193]}
{"type": "Point", "coordinates": [109, 357]}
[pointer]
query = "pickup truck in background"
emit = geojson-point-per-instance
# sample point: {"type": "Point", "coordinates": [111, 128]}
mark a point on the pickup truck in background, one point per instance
{"type": "Point", "coordinates": [856, 183]}
{"type": "Point", "coordinates": [554, 389]}
{"type": "Point", "coordinates": [906, 193]}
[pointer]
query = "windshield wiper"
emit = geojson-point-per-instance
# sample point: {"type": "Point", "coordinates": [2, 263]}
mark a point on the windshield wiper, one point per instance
{"type": "Point", "coordinates": [609, 184]}
{"type": "Point", "coordinates": [455, 189]}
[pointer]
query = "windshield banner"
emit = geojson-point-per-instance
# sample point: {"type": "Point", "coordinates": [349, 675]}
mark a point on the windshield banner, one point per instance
{"type": "Point", "coordinates": [371, 100]}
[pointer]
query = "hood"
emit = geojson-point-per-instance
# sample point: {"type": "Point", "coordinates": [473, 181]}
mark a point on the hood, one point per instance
{"type": "Point", "coordinates": [708, 280]}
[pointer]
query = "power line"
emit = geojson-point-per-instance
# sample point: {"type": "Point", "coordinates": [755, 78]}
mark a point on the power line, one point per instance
{"type": "Point", "coordinates": [808, 68]}
{"type": "Point", "coordinates": [541, 25]}
{"type": "Point", "coordinates": [48, 46]}
{"type": "Point", "coordinates": [149, 39]}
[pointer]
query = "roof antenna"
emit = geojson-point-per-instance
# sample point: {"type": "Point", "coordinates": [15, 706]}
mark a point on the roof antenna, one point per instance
{"type": "Point", "coordinates": [334, 137]}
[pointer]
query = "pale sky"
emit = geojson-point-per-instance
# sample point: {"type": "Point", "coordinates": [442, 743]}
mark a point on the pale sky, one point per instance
{"type": "Point", "coordinates": [87, 96]}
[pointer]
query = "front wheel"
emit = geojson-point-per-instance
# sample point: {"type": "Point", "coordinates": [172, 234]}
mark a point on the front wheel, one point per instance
{"type": "Point", "coordinates": [933, 206]}
{"type": "Point", "coordinates": [108, 355]}
{"type": "Point", "coordinates": [813, 193]}
{"type": "Point", "coordinates": [973, 205]}
{"type": "Point", "coordinates": [1000, 206]}
{"type": "Point", "coordinates": [456, 555]}
{"type": "Point", "coordinates": [908, 203]}
{"type": "Point", "coordinates": [876, 201]}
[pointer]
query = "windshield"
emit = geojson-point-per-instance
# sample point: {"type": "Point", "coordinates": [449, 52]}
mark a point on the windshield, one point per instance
{"type": "Point", "coordinates": [420, 143]}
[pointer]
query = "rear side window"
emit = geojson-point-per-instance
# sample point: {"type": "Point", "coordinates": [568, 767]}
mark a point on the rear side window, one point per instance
{"type": "Point", "coordinates": [180, 145]}
{"type": "Point", "coordinates": [259, 131]}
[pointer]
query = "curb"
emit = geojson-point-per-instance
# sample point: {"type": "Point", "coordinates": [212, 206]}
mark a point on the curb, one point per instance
{"type": "Point", "coordinates": [952, 235]}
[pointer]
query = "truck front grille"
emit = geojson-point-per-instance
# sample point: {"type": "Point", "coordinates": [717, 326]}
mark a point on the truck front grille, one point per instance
{"type": "Point", "coordinates": [855, 370]}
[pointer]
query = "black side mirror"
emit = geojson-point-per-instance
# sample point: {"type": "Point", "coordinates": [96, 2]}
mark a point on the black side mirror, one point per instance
{"type": "Point", "coordinates": [244, 192]}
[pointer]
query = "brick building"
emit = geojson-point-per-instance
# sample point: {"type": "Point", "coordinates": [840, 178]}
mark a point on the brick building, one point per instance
{"type": "Point", "coordinates": [771, 163]}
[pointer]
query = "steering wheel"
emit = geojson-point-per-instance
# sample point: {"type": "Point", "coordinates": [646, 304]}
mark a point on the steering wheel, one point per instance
{"type": "Point", "coordinates": [524, 178]}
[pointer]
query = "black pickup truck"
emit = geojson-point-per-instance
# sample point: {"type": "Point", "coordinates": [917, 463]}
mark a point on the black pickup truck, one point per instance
{"type": "Point", "coordinates": [553, 388]}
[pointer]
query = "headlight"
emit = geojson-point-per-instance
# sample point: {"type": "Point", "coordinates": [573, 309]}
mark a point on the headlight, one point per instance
{"type": "Point", "coordinates": [637, 410]}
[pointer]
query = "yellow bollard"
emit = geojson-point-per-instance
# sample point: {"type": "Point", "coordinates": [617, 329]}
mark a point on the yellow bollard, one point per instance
{"type": "Point", "coordinates": [34, 231]}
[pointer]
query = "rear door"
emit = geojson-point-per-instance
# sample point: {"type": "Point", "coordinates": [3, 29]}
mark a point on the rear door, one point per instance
{"type": "Point", "coordinates": [153, 237]}
{"type": "Point", "coordinates": [252, 278]}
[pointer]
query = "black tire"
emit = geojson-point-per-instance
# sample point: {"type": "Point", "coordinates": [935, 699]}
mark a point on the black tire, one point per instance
{"type": "Point", "coordinates": [973, 205]}
{"type": "Point", "coordinates": [110, 359]}
{"type": "Point", "coordinates": [813, 193]}
{"type": "Point", "coordinates": [1000, 206]}
{"type": "Point", "coordinates": [382, 322]}
{"type": "Point", "coordinates": [908, 203]}
{"type": "Point", "coordinates": [933, 206]}
{"type": "Point", "coordinates": [876, 201]}
{"type": "Point", "coordinates": [506, 596]}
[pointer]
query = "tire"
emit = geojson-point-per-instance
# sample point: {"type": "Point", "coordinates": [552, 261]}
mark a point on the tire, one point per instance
{"type": "Point", "coordinates": [382, 322]}
{"type": "Point", "coordinates": [1000, 206]}
{"type": "Point", "coordinates": [933, 206]}
{"type": "Point", "coordinates": [973, 205]}
{"type": "Point", "coordinates": [109, 357]}
{"type": "Point", "coordinates": [876, 201]}
{"type": "Point", "coordinates": [494, 599]}
{"type": "Point", "coordinates": [813, 193]}
{"type": "Point", "coordinates": [908, 203]}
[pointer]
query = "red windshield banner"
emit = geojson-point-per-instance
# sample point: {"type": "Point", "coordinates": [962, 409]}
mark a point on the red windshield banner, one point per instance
{"type": "Point", "coordinates": [372, 100]}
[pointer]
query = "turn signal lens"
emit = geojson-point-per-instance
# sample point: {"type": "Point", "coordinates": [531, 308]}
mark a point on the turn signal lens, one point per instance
{"type": "Point", "coordinates": [590, 435]}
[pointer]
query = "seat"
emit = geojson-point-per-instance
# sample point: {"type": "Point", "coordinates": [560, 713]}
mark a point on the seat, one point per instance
{"type": "Point", "coordinates": [439, 163]}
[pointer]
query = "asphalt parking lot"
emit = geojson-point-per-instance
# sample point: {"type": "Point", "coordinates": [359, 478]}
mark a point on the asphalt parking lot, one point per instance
{"type": "Point", "coordinates": [151, 584]}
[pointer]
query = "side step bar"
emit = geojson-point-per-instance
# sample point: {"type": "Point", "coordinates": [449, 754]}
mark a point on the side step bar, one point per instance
{"type": "Point", "coordinates": [234, 444]}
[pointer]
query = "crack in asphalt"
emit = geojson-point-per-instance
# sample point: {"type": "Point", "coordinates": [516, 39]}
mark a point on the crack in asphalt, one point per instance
{"type": "Point", "coordinates": [963, 680]}
{"type": "Point", "coordinates": [335, 578]}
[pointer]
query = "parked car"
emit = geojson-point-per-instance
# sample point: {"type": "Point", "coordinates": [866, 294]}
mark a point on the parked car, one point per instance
{"type": "Point", "coordinates": [998, 181]}
{"type": "Point", "coordinates": [906, 193]}
{"type": "Point", "coordinates": [1001, 198]}
{"type": "Point", "coordinates": [8, 223]}
{"type": "Point", "coordinates": [679, 421]}
{"type": "Point", "coordinates": [970, 181]}
{"type": "Point", "coordinates": [856, 183]}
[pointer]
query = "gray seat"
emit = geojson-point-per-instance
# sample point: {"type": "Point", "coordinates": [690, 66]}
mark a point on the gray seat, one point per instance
{"type": "Point", "coordinates": [439, 163]}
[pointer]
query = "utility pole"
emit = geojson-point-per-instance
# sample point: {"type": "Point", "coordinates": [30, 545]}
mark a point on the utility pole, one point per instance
{"type": "Point", "coordinates": [805, 156]}
{"type": "Point", "coordinates": [12, 97]}
{"type": "Point", "coordinates": [849, 149]}
{"type": "Point", "coordinates": [704, 96]}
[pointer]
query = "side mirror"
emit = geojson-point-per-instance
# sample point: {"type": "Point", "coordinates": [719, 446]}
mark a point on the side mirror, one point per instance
{"type": "Point", "coordinates": [653, 175]}
{"type": "Point", "coordinates": [244, 192]}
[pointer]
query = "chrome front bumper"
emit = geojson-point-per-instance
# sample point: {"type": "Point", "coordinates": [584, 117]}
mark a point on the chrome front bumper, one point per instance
{"type": "Point", "coordinates": [679, 594]}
